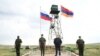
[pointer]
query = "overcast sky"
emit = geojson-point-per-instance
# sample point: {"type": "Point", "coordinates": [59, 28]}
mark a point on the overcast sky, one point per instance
{"type": "Point", "coordinates": [22, 17]}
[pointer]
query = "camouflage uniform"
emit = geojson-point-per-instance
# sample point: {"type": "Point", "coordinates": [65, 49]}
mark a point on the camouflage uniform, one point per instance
{"type": "Point", "coordinates": [42, 42]}
{"type": "Point", "coordinates": [80, 46]}
{"type": "Point", "coordinates": [17, 46]}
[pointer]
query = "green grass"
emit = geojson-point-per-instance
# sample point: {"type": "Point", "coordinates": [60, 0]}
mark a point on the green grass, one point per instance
{"type": "Point", "coordinates": [10, 51]}
{"type": "Point", "coordinates": [90, 49]}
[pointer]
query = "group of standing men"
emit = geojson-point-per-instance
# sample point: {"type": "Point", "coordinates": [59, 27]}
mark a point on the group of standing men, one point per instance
{"type": "Point", "coordinates": [57, 43]}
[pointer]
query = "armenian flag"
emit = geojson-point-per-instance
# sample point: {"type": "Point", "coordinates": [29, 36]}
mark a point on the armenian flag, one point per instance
{"type": "Point", "coordinates": [66, 12]}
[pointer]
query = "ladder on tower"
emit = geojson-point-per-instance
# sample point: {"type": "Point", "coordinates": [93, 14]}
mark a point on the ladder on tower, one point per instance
{"type": "Point", "coordinates": [55, 24]}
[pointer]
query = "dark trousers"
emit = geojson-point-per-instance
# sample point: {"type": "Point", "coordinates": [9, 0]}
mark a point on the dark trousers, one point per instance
{"type": "Point", "coordinates": [17, 51]}
{"type": "Point", "coordinates": [81, 51]}
{"type": "Point", "coordinates": [57, 50]}
{"type": "Point", "coordinates": [42, 51]}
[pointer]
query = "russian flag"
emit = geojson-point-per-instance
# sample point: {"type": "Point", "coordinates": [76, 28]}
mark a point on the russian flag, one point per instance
{"type": "Point", "coordinates": [45, 16]}
{"type": "Point", "coordinates": [66, 12]}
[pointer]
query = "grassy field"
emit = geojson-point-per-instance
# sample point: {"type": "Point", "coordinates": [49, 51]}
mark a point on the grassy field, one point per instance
{"type": "Point", "coordinates": [6, 50]}
{"type": "Point", "coordinates": [90, 49]}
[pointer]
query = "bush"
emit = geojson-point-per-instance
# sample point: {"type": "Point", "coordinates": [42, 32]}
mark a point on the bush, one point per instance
{"type": "Point", "coordinates": [27, 47]}
{"type": "Point", "coordinates": [71, 49]}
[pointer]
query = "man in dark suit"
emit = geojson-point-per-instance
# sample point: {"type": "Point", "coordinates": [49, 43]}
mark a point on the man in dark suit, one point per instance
{"type": "Point", "coordinates": [57, 43]}
{"type": "Point", "coordinates": [18, 42]}
{"type": "Point", "coordinates": [42, 43]}
{"type": "Point", "coordinates": [80, 46]}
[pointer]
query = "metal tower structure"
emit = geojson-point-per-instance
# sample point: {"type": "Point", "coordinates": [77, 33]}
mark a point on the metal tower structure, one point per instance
{"type": "Point", "coordinates": [55, 24]}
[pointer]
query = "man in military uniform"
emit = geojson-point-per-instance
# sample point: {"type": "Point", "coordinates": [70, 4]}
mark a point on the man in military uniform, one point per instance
{"type": "Point", "coordinates": [42, 42]}
{"type": "Point", "coordinates": [80, 46]}
{"type": "Point", "coordinates": [18, 42]}
{"type": "Point", "coordinates": [57, 43]}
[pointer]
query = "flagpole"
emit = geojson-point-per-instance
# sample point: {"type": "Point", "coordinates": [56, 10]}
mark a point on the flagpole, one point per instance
{"type": "Point", "coordinates": [40, 21]}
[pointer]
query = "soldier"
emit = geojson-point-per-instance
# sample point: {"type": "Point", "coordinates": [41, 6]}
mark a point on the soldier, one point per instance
{"type": "Point", "coordinates": [42, 42]}
{"type": "Point", "coordinates": [80, 46]}
{"type": "Point", "coordinates": [57, 43]}
{"type": "Point", "coordinates": [18, 42]}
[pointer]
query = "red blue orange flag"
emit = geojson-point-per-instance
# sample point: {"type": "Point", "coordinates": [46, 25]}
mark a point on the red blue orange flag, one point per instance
{"type": "Point", "coordinates": [45, 16]}
{"type": "Point", "coordinates": [66, 12]}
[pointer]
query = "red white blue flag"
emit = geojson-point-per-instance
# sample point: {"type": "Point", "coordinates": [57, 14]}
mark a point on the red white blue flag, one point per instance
{"type": "Point", "coordinates": [45, 16]}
